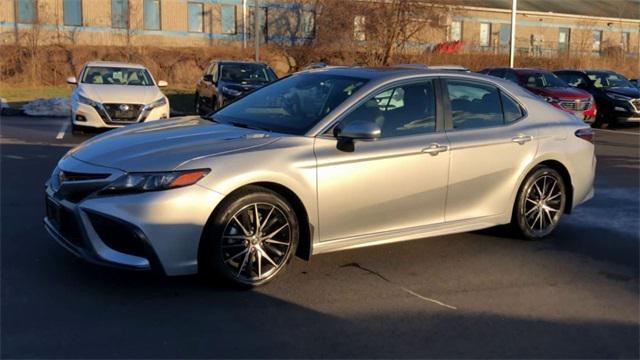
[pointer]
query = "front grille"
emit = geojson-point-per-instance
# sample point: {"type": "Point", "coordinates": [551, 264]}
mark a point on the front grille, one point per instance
{"type": "Point", "coordinates": [118, 235]}
{"type": "Point", "coordinates": [74, 186]}
{"type": "Point", "coordinates": [64, 220]}
{"type": "Point", "coordinates": [74, 176]}
{"type": "Point", "coordinates": [128, 113]}
{"type": "Point", "coordinates": [636, 104]}
{"type": "Point", "coordinates": [575, 105]}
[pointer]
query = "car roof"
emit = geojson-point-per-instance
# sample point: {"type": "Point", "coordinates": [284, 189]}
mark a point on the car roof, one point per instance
{"type": "Point", "coordinates": [387, 73]}
{"type": "Point", "coordinates": [115, 64]}
{"type": "Point", "coordinates": [223, 61]}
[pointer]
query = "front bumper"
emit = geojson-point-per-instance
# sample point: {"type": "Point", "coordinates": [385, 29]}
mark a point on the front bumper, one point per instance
{"type": "Point", "coordinates": [158, 230]}
{"type": "Point", "coordinates": [87, 116]}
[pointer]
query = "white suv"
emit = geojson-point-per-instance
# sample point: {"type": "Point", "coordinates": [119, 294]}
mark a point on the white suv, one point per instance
{"type": "Point", "coordinates": [111, 94]}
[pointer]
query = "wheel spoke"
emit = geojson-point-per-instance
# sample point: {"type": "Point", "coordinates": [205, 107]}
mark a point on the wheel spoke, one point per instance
{"type": "Point", "coordinates": [530, 211]}
{"type": "Point", "coordinates": [542, 220]}
{"type": "Point", "coordinates": [271, 241]}
{"type": "Point", "coordinates": [553, 186]}
{"type": "Point", "coordinates": [266, 219]}
{"type": "Point", "coordinates": [257, 218]}
{"type": "Point", "coordinates": [538, 189]}
{"type": "Point", "coordinates": [267, 257]}
{"type": "Point", "coordinates": [236, 255]}
{"type": "Point", "coordinates": [277, 231]}
{"type": "Point", "coordinates": [532, 201]}
{"type": "Point", "coordinates": [259, 254]}
{"type": "Point", "coordinates": [244, 230]}
{"type": "Point", "coordinates": [554, 196]}
{"type": "Point", "coordinates": [244, 262]}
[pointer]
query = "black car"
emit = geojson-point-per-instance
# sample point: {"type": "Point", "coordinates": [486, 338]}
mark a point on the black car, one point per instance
{"type": "Point", "coordinates": [224, 81]}
{"type": "Point", "coordinates": [617, 99]}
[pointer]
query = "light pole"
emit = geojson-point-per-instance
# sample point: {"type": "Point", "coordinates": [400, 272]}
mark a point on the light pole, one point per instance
{"type": "Point", "coordinates": [512, 50]}
{"type": "Point", "coordinates": [256, 30]}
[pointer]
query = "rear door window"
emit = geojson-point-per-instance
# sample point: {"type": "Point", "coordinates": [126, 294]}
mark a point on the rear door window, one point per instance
{"type": "Point", "coordinates": [474, 105]}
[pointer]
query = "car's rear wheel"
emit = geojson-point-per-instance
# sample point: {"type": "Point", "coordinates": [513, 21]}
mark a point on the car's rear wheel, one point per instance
{"type": "Point", "coordinates": [251, 240]}
{"type": "Point", "coordinates": [540, 203]}
{"type": "Point", "coordinates": [197, 106]}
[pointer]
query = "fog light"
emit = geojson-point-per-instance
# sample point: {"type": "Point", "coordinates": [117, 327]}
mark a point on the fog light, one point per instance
{"type": "Point", "coordinates": [81, 118]}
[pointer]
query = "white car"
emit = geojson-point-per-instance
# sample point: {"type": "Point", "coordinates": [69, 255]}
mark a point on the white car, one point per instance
{"type": "Point", "coordinates": [112, 94]}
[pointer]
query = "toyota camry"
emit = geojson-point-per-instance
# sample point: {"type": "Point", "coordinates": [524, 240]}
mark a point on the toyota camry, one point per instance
{"type": "Point", "coordinates": [319, 161]}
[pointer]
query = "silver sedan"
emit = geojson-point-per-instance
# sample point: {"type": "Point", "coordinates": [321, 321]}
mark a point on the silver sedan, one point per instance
{"type": "Point", "coordinates": [323, 160]}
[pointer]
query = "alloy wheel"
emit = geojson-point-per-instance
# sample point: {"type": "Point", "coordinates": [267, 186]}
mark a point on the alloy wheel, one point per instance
{"type": "Point", "coordinates": [255, 242]}
{"type": "Point", "coordinates": [543, 205]}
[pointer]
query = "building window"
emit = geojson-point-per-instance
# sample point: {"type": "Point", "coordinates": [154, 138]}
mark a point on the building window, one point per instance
{"type": "Point", "coordinates": [72, 12]}
{"type": "Point", "coordinates": [625, 41]}
{"type": "Point", "coordinates": [151, 14]}
{"type": "Point", "coordinates": [308, 24]}
{"type": "Point", "coordinates": [564, 37]}
{"type": "Point", "coordinates": [359, 28]}
{"type": "Point", "coordinates": [26, 11]}
{"type": "Point", "coordinates": [505, 34]}
{"type": "Point", "coordinates": [485, 34]}
{"type": "Point", "coordinates": [596, 45]}
{"type": "Point", "coordinates": [228, 19]}
{"type": "Point", "coordinates": [195, 15]}
{"type": "Point", "coordinates": [119, 14]}
{"type": "Point", "coordinates": [456, 30]}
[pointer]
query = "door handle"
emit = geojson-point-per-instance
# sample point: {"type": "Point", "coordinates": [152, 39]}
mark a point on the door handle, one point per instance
{"type": "Point", "coordinates": [435, 149]}
{"type": "Point", "coordinates": [521, 139]}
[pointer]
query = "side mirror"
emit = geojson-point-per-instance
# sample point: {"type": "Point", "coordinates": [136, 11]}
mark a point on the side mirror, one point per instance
{"type": "Point", "coordinates": [72, 80]}
{"type": "Point", "coordinates": [208, 78]}
{"type": "Point", "coordinates": [162, 83]}
{"type": "Point", "coordinates": [360, 130]}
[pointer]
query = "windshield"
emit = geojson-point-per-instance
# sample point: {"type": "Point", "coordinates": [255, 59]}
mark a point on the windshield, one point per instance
{"type": "Point", "coordinates": [292, 105]}
{"type": "Point", "coordinates": [608, 80]}
{"type": "Point", "coordinates": [542, 80]}
{"type": "Point", "coordinates": [246, 73]}
{"type": "Point", "coordinates": [102, 75]}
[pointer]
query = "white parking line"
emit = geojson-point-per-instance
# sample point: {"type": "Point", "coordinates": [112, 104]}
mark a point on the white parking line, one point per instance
{"type": "Point", "coordinates": [63, 130]}
{"type": "Point", "coordinates": [618, 132]}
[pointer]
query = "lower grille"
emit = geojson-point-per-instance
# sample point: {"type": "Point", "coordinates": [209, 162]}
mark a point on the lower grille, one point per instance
{"type": "Point", "coordinates": [128, 113]}
{"type": "Point", "coordinates": [64, 220]}
{"type": "Point", "coordinates": [118, 235]}
{"type": "Point", "coordinates": [575, 105]}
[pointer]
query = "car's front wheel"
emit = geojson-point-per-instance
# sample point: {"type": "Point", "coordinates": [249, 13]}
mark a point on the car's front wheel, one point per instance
{"type": "Point", "coordinates": [251, 239]}
{"type": "Point", "coordinates": [540, 203]}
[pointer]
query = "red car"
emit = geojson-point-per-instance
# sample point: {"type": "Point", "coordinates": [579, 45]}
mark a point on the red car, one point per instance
{"type": "Point", "coordinates": [553, 89]}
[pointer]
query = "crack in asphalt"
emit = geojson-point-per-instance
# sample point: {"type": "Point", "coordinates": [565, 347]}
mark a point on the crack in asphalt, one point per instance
{"type": "Point", "coordinates": [406, 290]}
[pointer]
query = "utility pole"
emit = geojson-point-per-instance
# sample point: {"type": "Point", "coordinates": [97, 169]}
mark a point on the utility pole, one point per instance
{"type": "Point", "coordinates": [256, 30]}
{"type": "Point", "coordinates": [244, 24]}
{"type": "Point", "coordinates": [512, 48]}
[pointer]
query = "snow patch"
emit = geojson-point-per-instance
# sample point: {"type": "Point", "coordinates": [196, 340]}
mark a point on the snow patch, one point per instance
{"type": "Point", "coordinates": [57, 106]}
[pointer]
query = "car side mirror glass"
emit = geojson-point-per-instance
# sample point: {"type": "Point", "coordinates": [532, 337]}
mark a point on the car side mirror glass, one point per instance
{"type": "Point", "coordinates": [72, 80]}
{"type": "Point", "coordinates": [162, 83]}
{"type": "Point", "coordinates": [208, 78]}
{"type": "Point", "coordinates": [360, 130]}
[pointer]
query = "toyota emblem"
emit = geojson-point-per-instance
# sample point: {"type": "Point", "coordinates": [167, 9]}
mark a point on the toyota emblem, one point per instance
{"type": "Point", "coordinates": [123, 107]}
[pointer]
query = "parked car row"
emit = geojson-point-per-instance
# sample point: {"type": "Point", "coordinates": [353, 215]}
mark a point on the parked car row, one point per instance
{"type": "Point", "coordinates": [596, 96]}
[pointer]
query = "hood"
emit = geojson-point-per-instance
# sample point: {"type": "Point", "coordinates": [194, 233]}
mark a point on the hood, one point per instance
{"type": "Point", "coordinates": [624, 91]}
{"type": "Point", "coordinates": [130, 94]}
{"type": "Point", "coordinates": [164, 145]}
{"type": "Point", "coordinates": [562, 93]}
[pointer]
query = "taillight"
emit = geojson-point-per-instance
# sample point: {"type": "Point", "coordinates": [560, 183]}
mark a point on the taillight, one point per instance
{"type": "Point", "coordinates": [585, 134]}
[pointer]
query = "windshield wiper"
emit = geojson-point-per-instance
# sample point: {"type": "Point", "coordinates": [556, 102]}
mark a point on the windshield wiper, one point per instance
{"type": "Point", "coordinates": [247, 126]}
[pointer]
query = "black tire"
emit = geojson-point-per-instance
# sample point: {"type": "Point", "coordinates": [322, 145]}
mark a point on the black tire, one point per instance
{"type": "Point", "coordinates": [196, 105]}
{"type": "Point", "coordinates": [225, 243]}
{"type": "Point", "coordinates": [600, 121]}
{"type": "Point", "coordinates": [540, 203]}
{"type": "Point", "coordinates": [76, 129]}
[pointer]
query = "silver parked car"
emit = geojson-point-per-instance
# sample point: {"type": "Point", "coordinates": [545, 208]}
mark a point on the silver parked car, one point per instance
{"type": "Point", "coordinates": [322, 160]}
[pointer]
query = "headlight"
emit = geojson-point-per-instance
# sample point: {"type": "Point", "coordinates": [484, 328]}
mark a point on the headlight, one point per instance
{"type": "Point", "coordinates": [618, 97]}
{"type": "Point", "coordinates": [231, 92]}
{"type": "Point", "coordinates": [141, 182]}
{"type": "Point", "coordinates": [159, 102]}
{"type": "Point", "coordinates": [87, 101]}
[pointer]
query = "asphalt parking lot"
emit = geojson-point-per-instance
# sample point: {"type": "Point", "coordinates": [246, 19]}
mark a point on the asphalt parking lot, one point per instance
{"type": "Point", "coordinates": [478, 294]}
